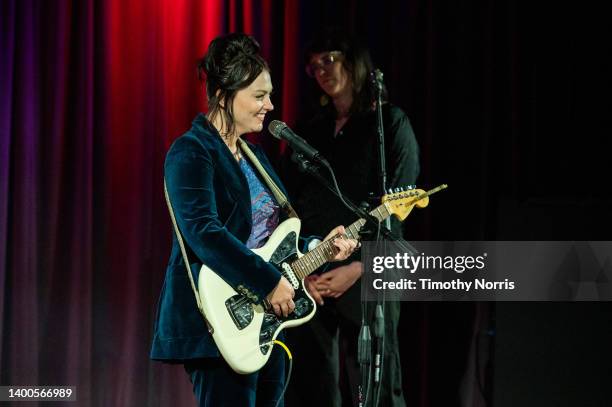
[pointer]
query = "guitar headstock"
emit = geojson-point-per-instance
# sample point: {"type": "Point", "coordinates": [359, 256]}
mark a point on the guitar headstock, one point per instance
{"type": "Point", "coordinates": [401, 203]}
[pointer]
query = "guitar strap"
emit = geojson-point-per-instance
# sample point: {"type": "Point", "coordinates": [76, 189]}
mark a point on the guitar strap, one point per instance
{"type": "Point", "coordinates": [179, 237]}
{"type": "Point", "coordinates": [276, 191]}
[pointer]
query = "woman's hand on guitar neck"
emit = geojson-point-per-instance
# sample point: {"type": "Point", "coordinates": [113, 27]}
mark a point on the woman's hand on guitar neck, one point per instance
{"type": "Point", "coordinates": [344, 246]}
{"type": "Point", "coordinates": [281, 298]}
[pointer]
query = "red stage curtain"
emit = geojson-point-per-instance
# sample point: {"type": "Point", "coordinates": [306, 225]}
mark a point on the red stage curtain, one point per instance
{"type": "Point", "coordinates": [93, 94]}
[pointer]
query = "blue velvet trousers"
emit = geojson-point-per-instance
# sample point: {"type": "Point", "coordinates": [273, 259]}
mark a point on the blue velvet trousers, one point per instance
{"type": "Point", "coordinates": [215, 384]}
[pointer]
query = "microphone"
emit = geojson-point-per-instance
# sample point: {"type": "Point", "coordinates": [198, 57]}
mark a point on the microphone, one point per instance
{"type": "Point", "coordinates": [280, 130]}
{"type": "Point", "coordinates": [376, 79]}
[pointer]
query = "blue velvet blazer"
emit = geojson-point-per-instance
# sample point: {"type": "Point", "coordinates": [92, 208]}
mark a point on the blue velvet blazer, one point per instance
{"type": "Point", "coordinates": [211, 201]}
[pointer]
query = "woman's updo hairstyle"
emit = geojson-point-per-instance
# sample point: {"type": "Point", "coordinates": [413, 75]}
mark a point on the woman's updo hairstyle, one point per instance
{"type": "Point", "coordinates": [231, 63]}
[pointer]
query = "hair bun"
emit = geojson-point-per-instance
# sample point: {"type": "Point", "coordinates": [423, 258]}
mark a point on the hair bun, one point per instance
{"type": "Point", "coordinates": [222, 51]}
{"type": "Point", "coordinates": [242, 43]}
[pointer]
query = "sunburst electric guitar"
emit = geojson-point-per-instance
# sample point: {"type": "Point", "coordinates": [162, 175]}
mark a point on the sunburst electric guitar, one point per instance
{"type": "Point", "coordinates": [244, 331]}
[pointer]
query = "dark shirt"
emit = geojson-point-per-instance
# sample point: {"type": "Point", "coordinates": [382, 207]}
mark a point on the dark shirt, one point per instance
{"type": "Point", "coordinates": [353, 154]}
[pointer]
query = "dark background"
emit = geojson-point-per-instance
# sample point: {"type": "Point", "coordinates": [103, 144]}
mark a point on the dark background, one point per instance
{"type": "Point", "coordinates": [509, 104]}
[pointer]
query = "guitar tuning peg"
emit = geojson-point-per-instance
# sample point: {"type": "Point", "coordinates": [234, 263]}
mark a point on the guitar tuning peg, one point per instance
{"type": "Point", "coordinates": [397, 190]}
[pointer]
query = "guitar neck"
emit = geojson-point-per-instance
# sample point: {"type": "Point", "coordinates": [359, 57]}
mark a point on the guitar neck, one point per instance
{"type": "Point", "coordinates": [325, 251]}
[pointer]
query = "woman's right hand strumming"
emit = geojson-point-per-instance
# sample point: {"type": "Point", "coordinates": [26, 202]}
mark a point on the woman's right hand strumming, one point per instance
{"type": "Point", "coordinates": [281, 298]}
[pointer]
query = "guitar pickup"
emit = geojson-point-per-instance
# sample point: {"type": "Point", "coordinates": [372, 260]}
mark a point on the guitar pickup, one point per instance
{"type": "Point", "coordinates": [290, 275]}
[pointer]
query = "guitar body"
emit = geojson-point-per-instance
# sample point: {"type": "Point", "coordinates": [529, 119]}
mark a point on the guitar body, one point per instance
{"type": "Point", "coordinates": [243, 331]}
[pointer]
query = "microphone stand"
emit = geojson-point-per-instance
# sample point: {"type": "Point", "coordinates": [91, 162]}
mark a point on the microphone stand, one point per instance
{"type": "Point", "coordinates": [376, 78]}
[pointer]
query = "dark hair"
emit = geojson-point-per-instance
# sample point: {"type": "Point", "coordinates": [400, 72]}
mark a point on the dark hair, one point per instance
{"type": "Point", "coordinates": [231, 63]}
{"type": "Point", "coordinates": [357, 63]}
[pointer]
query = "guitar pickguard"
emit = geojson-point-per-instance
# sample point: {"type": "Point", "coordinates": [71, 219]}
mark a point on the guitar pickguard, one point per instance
{"type": "Point", "coordinates": [285, 249]}
{"type": "Point", "coordinates": [242, 310]}
{"type": "Point", "coordinates": [284, 253]}
{"type": "Point", "coordinates": [271, 322]}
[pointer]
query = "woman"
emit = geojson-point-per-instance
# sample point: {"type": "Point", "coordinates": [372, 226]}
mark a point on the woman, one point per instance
{"type": "Point", "coordinates": [343, 129]}
{"type": "Point", "coordinates": [223, 209]}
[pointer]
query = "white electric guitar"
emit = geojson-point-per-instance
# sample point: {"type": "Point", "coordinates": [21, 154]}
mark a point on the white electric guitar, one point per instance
{"type": "Point", "coordinates": [244, 331]}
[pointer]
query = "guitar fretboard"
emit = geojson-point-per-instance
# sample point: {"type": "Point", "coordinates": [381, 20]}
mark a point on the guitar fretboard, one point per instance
{"type": "Point", "coordinates": [325, 251]}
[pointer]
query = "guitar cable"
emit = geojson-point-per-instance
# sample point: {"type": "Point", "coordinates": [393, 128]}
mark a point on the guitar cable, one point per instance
{"type": "Point", "coordinates": [290, 357]}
